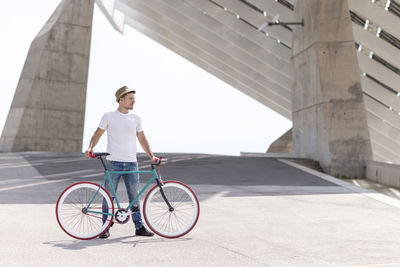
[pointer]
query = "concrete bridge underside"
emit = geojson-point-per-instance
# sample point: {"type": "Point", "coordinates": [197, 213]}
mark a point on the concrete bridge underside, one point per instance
{"type": "Point", "coordinates": [337, 77]}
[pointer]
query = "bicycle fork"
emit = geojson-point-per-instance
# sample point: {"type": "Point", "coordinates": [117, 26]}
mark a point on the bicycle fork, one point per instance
{"type": "Point", "coordinates": [160, 185]}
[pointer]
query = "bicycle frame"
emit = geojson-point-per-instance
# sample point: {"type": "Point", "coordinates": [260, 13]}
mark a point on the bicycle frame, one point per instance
{"type": "Point", "coordinates": [107, 176]}
{"type": "Point", "coordinates": [85, 210]}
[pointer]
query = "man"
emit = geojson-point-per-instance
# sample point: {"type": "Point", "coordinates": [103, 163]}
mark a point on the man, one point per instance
{"type": "Point", "coordinates": [122, 129]}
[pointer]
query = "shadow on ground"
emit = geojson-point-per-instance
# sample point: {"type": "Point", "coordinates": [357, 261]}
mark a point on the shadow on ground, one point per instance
{"type": "Point", "coordinates": [125, 240]}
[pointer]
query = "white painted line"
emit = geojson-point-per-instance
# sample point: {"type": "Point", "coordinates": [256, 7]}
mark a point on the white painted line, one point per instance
{"type": "Point", "coordinates": [32, 184]}
{"type": "Point", "coordinates": [356, 183]}
{"type": "Point", "coordinates": [170, 160]}
{"type": "Point", "coordinates": [64, 173]}
{"type": "Point", "coordinates": [10, 157]}
{"type": "Point", "coordinates": [179, 159]}
{"type": "Point", "coordinates": [394, 192]}
{"type": "Point", "coordinates": [368, 193]}
{"type": "Point", "coordinates": [20, 165]}
{"type": "Point", "coordinates": [93, 175]}
{"type": "Point", "coordinates": [54, 160]}
{"type": "Point", "coordinates": [12, 181]}
{"type": "Point", "coordinates": [68, 160]}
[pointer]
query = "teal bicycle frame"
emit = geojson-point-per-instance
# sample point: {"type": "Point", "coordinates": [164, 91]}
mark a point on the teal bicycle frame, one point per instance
{"type": "Point", "coordinates": [107, 176]}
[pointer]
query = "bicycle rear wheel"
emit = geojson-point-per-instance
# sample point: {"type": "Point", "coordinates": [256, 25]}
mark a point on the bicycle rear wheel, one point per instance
{"type": "Point", "coordinates": [79, 219]}
{"type": "Point", "coordinates": [176, 223]}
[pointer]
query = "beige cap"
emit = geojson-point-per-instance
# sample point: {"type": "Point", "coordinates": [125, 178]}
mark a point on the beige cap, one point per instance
{"type": "Point", "coordinates": [123, 91]}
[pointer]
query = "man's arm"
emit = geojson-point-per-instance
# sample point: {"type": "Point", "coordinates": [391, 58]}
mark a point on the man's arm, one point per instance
{"type": "Point", "coordinates": [145, 145]}
{"type": "Point", "coordinates": [94, 140]}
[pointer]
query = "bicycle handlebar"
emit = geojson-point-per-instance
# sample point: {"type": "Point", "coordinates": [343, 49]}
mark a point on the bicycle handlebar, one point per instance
{"type": "Point", "coordinates": [100, 155]}
{"type": "Point", "coordinates": [161, 159]}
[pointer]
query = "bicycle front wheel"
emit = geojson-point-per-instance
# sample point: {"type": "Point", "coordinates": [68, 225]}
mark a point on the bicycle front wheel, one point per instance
{"type": "Point", "coordinates": [171, 223]}
{"type": "Point", "coordinates": [84, 210]}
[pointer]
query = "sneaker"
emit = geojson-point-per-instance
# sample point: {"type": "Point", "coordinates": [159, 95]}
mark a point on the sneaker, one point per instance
{"type": "Point", "coordinates": [143, 232]}
{"type": "Point", "coordinates": [104, 235]}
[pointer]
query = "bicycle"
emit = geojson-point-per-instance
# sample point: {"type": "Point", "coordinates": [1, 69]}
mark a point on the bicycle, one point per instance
{"type": "Point", "coordinates": [85, 210]}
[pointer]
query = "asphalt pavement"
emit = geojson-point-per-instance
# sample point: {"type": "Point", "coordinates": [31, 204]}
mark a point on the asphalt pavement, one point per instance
{"type": "Point", "coordinates": [255, 211]}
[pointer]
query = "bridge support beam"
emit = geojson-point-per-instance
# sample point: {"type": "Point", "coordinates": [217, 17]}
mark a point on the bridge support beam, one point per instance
{"type": "Point", "coordinates": [283, 144]}
{"type": "Point", "coordinates": [329, 118]}
{"type": "Point", "coordinates": [48, 109]}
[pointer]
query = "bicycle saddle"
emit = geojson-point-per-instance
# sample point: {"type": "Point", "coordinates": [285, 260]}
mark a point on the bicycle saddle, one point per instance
{"type": "Point", "coordinates": [99, 155]}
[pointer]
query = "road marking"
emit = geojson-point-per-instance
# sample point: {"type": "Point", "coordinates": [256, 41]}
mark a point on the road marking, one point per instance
{"type": "Point", "coordinates": [19, 166]}
{"type": "Point", "coordinates": [68, 160]}
{"type": "Point", "coordinates": [93, 175]}
{"type": "Point", "coordinates": [356, 183]}
{"type": "Point", "coordinates": [5, 164]}
{"type": "Point", "coordinates": [11, 181]}
{"type": "Point", "coordinates": [368, 193]}
{"type": "Point", "coordinates": [10, 157]}
{"type": "Point", "coordinates": [60, 174]}
{"type": "Point", "coordinates": [64, 173]}
{"type": "Point", "coordinates": [54, 160]}
{"type": "Point", "coordinates": [32, 184]}
{"type": "Point", "coordinates": [394, 192]}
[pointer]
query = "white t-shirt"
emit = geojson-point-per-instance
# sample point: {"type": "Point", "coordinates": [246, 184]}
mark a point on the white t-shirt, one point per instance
{"type": "Point", "coordinates": [121, 135]}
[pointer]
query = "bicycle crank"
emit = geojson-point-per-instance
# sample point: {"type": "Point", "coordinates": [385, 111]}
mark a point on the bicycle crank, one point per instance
{"type": "Point", "coordinates": [122, 216]}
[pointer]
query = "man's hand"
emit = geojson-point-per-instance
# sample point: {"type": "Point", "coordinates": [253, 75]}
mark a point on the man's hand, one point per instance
{"type": "Point", "coordinates": [155, 159]}
{"type": "Point", "coordinates": [88, 152]}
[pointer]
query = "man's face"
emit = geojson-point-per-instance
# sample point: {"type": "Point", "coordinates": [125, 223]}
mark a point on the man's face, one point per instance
{"type": "Point", "coordinates": [127, 101]}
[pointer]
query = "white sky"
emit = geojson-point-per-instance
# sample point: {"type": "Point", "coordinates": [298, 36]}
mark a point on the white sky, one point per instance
{"type": "Point", "coordinates": [183, 107]}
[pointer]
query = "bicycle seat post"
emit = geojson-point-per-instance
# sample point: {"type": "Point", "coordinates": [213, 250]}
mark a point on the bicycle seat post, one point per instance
{"type": "Point", "coordinates": [102, 162]}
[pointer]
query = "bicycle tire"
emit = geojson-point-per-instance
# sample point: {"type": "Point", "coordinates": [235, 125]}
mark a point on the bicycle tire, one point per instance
{"type": "Point", "coordinates": [176, 223]}
{"type": "Point", "coordinates": [71, 215]}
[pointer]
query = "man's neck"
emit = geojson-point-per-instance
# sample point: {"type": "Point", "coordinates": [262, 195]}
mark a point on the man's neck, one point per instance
{"type": "Point", "coordinates": [122, 110]}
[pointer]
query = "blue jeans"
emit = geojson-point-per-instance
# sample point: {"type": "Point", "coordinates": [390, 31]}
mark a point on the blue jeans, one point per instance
{"type": "Point", "coordinates": [131, 181]}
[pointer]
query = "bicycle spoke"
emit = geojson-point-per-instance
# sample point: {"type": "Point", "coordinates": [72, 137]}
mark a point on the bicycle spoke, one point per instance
{"type": "Point", "coordinates": [73, 210]}
{"type": "Point", "coordinates": [166, 222]}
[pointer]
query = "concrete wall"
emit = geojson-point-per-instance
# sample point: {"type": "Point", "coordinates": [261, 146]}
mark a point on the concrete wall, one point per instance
{"type": "Point", "coordinates": [283, 144]}
{"type": "Point", "coordinates": [383, 173]}
{"type": "Point", "coordinates": [329, 119]}
{"type": "Point", "coordinates": [48, 109]}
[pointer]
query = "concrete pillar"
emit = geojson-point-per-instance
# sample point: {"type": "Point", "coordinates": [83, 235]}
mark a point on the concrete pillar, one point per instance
{"type": "Point", "coordinates": [48, 109]}
{"type": "Point", "coordinates": [329, 118]}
